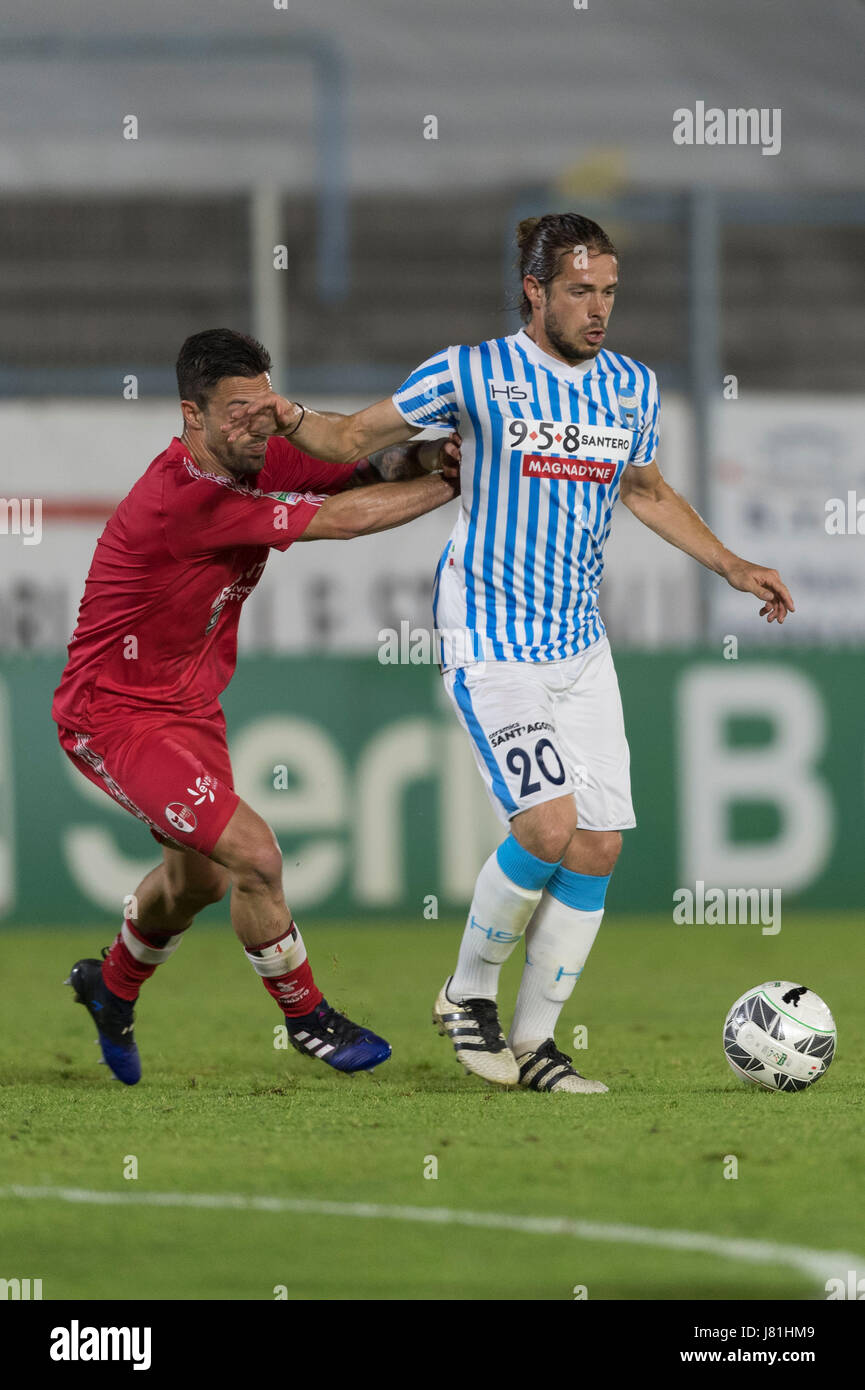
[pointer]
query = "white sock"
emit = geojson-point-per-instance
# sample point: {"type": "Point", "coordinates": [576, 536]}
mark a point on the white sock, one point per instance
{"type": "Point", "coordinates": [498, 916]}
{"type": "Point", "coordinates": [279, 957]}
{"type": "Point", "coordinates": [558, 941]}
{"type": "Point", "coordinates": [141, 949]}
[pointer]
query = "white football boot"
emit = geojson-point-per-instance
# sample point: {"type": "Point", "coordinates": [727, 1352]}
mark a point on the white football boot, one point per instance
{"type": "Point", "coordinates": [474, 1029]}
{"type": "Point", "coordinates": [547, 1069]}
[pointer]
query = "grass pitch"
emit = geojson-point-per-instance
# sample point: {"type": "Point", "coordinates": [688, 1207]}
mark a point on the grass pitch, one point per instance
{"type": "Point", "coordinates": [221, 1111]}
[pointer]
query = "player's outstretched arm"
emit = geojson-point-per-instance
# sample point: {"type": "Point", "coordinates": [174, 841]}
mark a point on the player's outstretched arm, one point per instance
{"type": "Point", "coordinates": [649, 496]}
{"type": "Point", "coordinates": [364, 511]}
{"type": "Point", "coordinates": [334, 438]}
{"type": "Point", "coordinates": [402, 461]}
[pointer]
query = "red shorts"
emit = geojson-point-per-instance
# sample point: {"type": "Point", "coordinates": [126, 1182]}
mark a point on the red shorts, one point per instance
{"type": "Point", "coordinates": [173, 774]}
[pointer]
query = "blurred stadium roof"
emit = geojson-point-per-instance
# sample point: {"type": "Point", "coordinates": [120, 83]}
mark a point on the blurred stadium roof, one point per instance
{"type": "Point", "coordinates": [522, 92]}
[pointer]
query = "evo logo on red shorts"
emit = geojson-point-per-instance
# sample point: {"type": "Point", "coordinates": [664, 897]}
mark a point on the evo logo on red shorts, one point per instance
{"type": "Point", "coordinates": [180, 817]}
{"type": "Point", "coordinates": [573, 470]}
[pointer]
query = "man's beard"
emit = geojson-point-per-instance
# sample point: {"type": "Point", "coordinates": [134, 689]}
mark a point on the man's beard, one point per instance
{"type": "Point", "coordinates": [563, 346]}
{"type": "Point", "coordinates": [240, 465]}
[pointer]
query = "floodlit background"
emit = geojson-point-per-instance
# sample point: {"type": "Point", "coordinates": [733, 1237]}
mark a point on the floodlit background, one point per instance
{"type": "Point", "coordinates": [391, 148]}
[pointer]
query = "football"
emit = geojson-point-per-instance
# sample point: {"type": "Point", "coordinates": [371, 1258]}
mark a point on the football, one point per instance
{"type": "Point", "coordinates": [780, 1036]}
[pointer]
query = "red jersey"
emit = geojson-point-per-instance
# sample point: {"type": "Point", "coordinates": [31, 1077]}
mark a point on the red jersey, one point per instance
{"type": "Point", "coordinates": [157, 626]}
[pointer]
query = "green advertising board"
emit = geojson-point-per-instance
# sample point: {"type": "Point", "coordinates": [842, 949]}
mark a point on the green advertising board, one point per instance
{"type": "Point", "coordinates": [747, 773]}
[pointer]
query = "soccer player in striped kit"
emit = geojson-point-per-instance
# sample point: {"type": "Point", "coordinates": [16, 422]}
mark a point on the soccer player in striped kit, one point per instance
{"type": "Point", "coordinates": [555, 428]}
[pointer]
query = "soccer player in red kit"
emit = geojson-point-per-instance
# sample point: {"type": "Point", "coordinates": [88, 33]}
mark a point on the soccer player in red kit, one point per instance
{"type": "Point", "coordinates": [156, 643]}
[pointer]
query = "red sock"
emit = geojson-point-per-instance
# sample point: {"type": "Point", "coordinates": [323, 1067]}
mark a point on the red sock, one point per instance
{"type": "Point", "coordinates": [296, 993]}
{"type": "Point", "coordinates": [134, 957]}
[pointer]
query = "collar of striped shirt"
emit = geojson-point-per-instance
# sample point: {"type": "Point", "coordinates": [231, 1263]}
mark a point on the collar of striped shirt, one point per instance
{"type": "Point", "coordinates": [553, 364]}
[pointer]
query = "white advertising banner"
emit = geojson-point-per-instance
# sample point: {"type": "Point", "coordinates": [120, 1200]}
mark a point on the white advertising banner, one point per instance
{"type": "Point", "coordinates": [788, 491]}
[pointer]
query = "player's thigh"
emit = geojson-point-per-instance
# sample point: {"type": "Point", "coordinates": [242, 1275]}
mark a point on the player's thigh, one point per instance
{"type": "Point", "coordinates": [174, 775]}
{"type": "Point", "coordinates": [506, 708]}
{"type": "Point", "coordinates": [591, 727]}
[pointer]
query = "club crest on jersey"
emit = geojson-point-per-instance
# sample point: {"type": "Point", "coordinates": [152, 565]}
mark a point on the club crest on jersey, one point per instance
{"type": "Point", "coordinates": [520, 392]}
{"type": "Point", "coordinates": [628, 410]}
{"type": "Point", "coordinates": [180, 817]}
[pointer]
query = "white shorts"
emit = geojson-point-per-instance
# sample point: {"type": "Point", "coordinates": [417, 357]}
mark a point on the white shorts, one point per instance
{"type": "Point", "coordinates": [545, 729]}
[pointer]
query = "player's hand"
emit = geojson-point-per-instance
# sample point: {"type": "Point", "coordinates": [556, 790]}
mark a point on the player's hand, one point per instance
{"type": "Point", "coordinates": [442, 456]}
{"type": "Point", "coordinates": [766, 584]}
{"type": "Point", "coordinates": [266, 415]}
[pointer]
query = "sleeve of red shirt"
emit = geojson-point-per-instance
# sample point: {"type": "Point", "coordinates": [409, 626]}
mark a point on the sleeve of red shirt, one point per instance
{"type": "Point", "coordinates": [203, 514]}
{"type": "Point", "coordinates": [290, 469]}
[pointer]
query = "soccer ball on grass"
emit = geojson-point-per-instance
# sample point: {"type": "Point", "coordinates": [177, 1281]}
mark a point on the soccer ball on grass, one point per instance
{"type": "Point", "coordinates": [780, 1036]}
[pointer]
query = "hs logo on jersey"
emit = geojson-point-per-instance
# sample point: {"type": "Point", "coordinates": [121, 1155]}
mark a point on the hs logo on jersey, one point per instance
{"type": "Point", "coordinates": [519, 391]}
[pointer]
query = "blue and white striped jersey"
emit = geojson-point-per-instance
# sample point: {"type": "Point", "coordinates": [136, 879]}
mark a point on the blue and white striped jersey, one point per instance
{"type": "Point", "coordinates": [544, 449]}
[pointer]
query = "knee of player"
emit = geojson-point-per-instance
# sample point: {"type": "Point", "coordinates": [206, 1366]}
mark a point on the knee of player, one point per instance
{"type": "Point", "coordinates": [260, 868]}
{"type": "Point", "coordinates": [194, 896]}
{"type": "Point", "coordinates": [604, 848]}
{"type": "Point", "coordinates": [546, 830]}
{"type": "Point", "coordinates": [556, 834]}
{"type": "Point", "coordinates": [553, 846]}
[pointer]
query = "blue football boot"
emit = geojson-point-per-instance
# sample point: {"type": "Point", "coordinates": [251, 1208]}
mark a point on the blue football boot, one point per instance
{"type": "Point", "coordinates": [335, 1040]}
{"type": "Point", "coordinates": [113, 1018]}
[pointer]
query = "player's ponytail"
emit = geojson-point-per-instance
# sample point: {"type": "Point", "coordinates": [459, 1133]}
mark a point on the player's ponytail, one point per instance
{"type": "Point", "coordinates": [541, 241]}
{"type": "Point", "coordinates": [525, 229]}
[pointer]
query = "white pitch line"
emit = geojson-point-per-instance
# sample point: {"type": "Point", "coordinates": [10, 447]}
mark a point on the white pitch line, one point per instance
{"type": "Point", "coordinates": [818, 1264]}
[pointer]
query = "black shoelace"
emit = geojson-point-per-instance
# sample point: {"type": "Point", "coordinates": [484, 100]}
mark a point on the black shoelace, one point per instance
{"type": "Point", "coordinates": [550, 1051]}
{"type": "Point", "coordinates": [341, 1029]}
{"type": "Point", "coordinates": [486, 1013]}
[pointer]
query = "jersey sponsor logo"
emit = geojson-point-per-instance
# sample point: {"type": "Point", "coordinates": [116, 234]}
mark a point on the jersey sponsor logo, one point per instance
{"type": "Point", "coordinates": [203, 789]}
{"type": "Point", "coordinates": [572, 470]}
{"type": "Point", "coordinates": [180, 817]}
{"type": "Point", "coordinates": [511, 731]}
{"type": "Point", "coordinates": [291, 498]}
{"type": "Point", "coordinates": [558, 438]}
{"type": "Point", "coordinates": [501, 390]}
{"type": "Point", "coordinates": [235, 590]}
{"type": "Point", "coordinates": [216, 608]}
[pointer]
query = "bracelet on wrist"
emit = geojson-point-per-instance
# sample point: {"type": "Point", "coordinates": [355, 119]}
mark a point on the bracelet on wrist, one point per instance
{"type": "Point", "coordinates": [299, 423]}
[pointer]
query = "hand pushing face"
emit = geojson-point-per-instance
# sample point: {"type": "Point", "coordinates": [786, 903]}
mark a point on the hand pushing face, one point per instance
{"type": "Point", "coordinates": [212, 428]}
